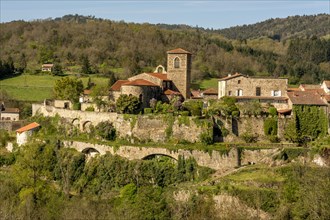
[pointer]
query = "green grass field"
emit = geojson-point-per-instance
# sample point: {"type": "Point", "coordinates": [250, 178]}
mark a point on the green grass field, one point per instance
{"type": "Point", "coordinates": [37, 87]}
{"type": "Point", "coordinates": [209, 83]}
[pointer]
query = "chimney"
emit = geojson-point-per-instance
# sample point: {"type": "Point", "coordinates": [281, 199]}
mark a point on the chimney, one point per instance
{"type": "Point", "coordinates": [229, 74]}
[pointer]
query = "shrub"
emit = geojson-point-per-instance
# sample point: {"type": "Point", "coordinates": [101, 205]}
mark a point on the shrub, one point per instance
{"type": "Point", "coordinates": [235, 114]}
{"type": "Point", "coordinates": [249, 137]}
{"type": "Point", "coordinates": [128, 104]}
{"type": "Point", "coordinates": [270, 126]}
{"type": "Point", "coordinates": [90, 109]}
{"type": "Point", "coordinates": [194, 107]}
{"type": "Point", "coordinates": [76, 106]}
{"type": "Point", "coordinates": [184, 113]}
{"type": "Point", "coordinates": [274, 139]}
{"type": "Point", "coordinates": [147, 110]}
{"type": "Point", "coordinates": [206, 137]}
{"type": "Point", "coordinates": [272, 111]}
{"type": "Point", "coordinates": [106, 130]}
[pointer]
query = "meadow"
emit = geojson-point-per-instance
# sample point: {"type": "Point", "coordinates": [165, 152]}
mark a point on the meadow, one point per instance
{"type": "Point", "coordinates": [36, 88]}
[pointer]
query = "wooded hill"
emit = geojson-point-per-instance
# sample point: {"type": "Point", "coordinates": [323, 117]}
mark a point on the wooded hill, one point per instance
{"type": "Point", "coordinates": [282, 28]}
{"type": "Point", "coordinates": [90, 45]}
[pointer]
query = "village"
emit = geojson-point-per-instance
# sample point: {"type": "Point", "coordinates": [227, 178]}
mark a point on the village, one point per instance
{"type": "Point", "coordinates": [267, 98]}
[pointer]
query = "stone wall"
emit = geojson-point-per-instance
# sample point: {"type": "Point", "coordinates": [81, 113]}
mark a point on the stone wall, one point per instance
{"type": "Point", "coordinates": [147, 77]}
{"type": "Point", "coordinates": [214, 159]}
{"type": "Point", "coordinates": [11, 125]}
{"type": "Point", "coordinates": [140, 127]}
{"type": "Point", "coordinates": [252, 125]}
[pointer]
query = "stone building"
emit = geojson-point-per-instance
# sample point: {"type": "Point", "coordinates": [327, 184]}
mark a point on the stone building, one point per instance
{"type": "Point", "coordinates": [160, 84]}
{"type": "Point", "coordinates": [25, 132]}
{"type": "Point", "coordinates": [262, 89]}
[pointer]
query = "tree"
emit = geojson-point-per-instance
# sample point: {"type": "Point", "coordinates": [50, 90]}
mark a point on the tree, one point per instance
{"type": "Point", "coordinates": [68, 88]}
{"type": "Point", "coordinates": [97, 95]}
{"type": "Point", "coordinates": [57, 69]}
{"type": "Point", "coordinates": [86, 66]}
{"type": "Point", "coordinates": [128, 104]}
{"type": "Point", "coordinates": [106, 130]}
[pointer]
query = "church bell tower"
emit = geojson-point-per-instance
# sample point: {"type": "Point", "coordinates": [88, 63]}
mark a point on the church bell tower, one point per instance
{"type": "Point", "coordinates": [179, 70]}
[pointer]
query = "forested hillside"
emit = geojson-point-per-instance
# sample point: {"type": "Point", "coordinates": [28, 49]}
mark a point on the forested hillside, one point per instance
{"type": "Point", "coordinates": [282, 28]}
{"type": "Point", "coordinates": [81, 44]}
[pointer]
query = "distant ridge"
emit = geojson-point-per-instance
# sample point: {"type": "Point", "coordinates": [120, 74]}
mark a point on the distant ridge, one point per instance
{"type": "Point", "coordinates": [282, 28]}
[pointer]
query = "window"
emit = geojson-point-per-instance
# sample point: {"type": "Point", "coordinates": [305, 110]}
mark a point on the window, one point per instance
{"type": "Point", "coordinates": [258, 91]}
{"type": "Point", "coordinates": [276, 93]}
{"type": "Point", "coordinates": [239, 92]}
{"type": "Point", "coordinates": [229, 93]}
{"type": "Point", "coordinates": [239, 82]}
{"type": "Point", "coordinates": [177, 62]}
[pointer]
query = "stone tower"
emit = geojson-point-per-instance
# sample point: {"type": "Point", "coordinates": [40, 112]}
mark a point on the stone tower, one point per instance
{"type": "Point", "coordinates": [179, 70]}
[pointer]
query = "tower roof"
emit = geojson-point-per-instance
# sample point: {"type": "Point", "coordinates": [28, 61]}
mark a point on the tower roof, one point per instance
{"type": "Point", "coordinates": [179, 50]}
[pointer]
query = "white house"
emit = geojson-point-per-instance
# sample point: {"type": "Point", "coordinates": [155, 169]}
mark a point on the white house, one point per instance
{"type": "Point", "coordinates": [47, 67]}
{"type": "Point", "coordinates": [23, 133]}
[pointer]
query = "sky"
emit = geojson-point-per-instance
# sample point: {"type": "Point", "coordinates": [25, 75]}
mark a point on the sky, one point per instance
{"type": "Point", "coordinates": [216, 14]}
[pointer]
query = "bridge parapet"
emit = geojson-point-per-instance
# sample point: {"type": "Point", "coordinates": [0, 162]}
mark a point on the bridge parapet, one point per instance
{"type": "Point", "coordinates": [214, 159]}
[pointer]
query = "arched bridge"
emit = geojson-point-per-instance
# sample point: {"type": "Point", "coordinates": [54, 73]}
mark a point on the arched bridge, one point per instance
{"type": "Point", "coordinates": [214, 159]}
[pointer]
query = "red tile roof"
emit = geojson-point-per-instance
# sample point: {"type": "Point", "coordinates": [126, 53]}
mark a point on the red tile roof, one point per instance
{"type": "Point", "coordinates": [306, 98]}
{"type": "Point", "coordinates": [210, 91]}
{"type": "Point", "coordinates": [179, 50]}
{"type": "Point", "coordinates": [87, 91]}
{"type": "Point", "coordinates": [196, 94]}
{"type": "Point", "coordinates": [161, 76]}
{"type": "Point", "coordinates": [230, 77]}
{"type": "Point", "coordinates": [28, 127]}
{"type": "Point", "coordinates": [327, 98]}
{"type": "Point", "coordinates": [11, 110]}
{"type": "Point", "coordinates": [139, 82]}
{"type": "Point", "coordinates": [117, 85]}
{"type": "Point", "coordinates": [309, 86]}
{"type": "Point", "coordinates": [171, 92]}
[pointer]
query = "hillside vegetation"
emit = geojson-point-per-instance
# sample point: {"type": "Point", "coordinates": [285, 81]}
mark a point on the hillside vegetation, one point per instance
{"type": "Point", "coordinates": [282, 28]}
{"type": "Point", "coordinates": [79, 44]}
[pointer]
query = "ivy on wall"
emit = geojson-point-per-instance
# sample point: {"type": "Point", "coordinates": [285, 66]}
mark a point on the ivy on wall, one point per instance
{"type": "Point", "coordinates": [309, 121]}
{"type": "Point", "coordinates": [270, 126]}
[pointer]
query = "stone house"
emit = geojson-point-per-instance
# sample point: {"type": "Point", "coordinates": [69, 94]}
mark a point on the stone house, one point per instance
{"type": "Point", "coordinates": [23, 133]}
{"type": "Point", "coordinates": [47, 67]}
{"type": "Point", "coordinates": [162, 84]}
{"type": "Point", "coordinates": [9, 114]}
{"type": "Point", "coordinates": [263, 89]}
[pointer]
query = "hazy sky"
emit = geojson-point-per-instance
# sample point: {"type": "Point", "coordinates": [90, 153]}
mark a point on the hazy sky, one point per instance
{"type": "Point", "coordinates": [207, 14]}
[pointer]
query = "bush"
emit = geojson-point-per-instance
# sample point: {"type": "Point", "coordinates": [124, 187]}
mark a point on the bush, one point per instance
{"type": "Point", "coordinates": [106, 130]}
{"type": "Point", "coordinates": [272, 111]}
{"type": "Point", "coordinates": [270, 126]}
{"type": "Point", "coordinates": [184, 113]}
{"type": "Point", "coordinates": [235, 114]}
{"type": "Point", "coordinates": [206, 137]}
{"type": "Point", "coordinates": [147, 110]}
{"type": "Point", "coordinates": [128, 104]}
{"type": "Point", "coordinates": [194, 107]}
{"type": "Point", "coordinates": [4, 138]}
{"type": "Point", "coordinates": [274, 139]}
{"type": "Point", "coordinates": [249, 138]}
{"type": "Point", "coordinates": [90, 109]}
{"type": "Point", "coordinates": [76, 106]}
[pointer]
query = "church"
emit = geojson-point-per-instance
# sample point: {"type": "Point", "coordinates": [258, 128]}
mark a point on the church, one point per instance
{"type": "Point", "coordinates": [162, 84]}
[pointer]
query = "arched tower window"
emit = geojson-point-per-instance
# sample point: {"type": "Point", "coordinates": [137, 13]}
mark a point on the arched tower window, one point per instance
{"type": "Point", "coordinates": [176, 62]}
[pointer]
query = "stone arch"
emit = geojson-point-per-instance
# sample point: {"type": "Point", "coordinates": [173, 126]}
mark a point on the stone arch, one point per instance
{"type": "Point", "coordinates": [90, 152]}
{"type": "Point", "coordinates": [150, 156]}
{"type": "Point", "coordinates": [160, 69]}
{"type": "Point", "coordinates": [76, 122]}
{"type": "Point", "coordinates": [86, 126]}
